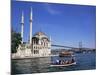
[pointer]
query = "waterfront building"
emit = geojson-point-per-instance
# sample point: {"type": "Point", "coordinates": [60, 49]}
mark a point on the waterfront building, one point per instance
{"type": "Point", "coordinates": [39, 44]}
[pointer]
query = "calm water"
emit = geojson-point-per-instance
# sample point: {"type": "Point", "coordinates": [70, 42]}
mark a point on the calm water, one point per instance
{"type": "Point", "coordinates": [39, 65]}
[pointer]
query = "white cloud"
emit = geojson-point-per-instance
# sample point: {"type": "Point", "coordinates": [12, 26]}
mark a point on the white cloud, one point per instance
{"type": "Point", "coordinates": [51, 9]}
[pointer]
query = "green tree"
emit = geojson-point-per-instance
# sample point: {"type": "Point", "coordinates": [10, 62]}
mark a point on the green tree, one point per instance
{"type": "Point", "coordinates": [15, 41]}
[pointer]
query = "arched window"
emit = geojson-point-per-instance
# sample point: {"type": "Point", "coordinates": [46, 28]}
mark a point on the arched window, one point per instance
{"type": "Point", "coordinates": [35, 40]}
{"type": "Point", "coordinates": [36, 51]}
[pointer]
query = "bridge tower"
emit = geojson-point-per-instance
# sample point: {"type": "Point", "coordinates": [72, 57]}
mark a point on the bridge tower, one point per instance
{"type": "Point", "coordinates": [80, 45]}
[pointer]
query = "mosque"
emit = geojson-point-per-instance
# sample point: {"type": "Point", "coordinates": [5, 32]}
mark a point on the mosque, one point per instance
{"type": "Point", "coordinates": [39, 44]}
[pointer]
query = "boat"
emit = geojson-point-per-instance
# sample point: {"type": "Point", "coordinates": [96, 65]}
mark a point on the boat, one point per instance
{"type": "Point", "coordinates": [55, 65]}
{"type": "Point", "coordinates": [66, 54]}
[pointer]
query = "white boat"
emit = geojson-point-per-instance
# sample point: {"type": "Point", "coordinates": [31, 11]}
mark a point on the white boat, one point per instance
{"type": "Point", "coordinates": [74, 63]}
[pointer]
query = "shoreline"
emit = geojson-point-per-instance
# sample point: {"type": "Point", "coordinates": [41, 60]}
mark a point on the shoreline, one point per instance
{"type": "Point", "coordinates": [31, 57]}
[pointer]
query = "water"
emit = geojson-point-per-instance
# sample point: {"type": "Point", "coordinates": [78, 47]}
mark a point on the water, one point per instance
{"type": "Point", "coordinates": [85, 61]}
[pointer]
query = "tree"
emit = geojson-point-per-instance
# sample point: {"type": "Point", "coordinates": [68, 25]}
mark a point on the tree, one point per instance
{"type": "Point", "coordinates": [15, 41]}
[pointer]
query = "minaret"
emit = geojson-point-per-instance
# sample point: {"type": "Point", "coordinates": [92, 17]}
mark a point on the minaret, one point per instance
{"type": "Point", "coordinates": [22, 27]}
{"type": "Point", "coordinates": [31, 26]}
{"type": "Point", "coordinates": [50, 41]}
{"type": "Point", "coordinates": [50, 38]}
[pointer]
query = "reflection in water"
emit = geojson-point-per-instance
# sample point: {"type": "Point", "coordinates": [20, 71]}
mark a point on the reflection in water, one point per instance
{"type": "Point", "coordinates": [40, 65]}
{"type": "Point", "coordinates": [31, 65]}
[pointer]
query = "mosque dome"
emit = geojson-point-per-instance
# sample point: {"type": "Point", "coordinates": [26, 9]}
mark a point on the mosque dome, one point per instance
{"type": "Point", "coordinates": [40, 35]}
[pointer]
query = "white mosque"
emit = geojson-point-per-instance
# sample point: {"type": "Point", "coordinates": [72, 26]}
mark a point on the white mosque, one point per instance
{"type": "Point", "coordinates": [39, 44]}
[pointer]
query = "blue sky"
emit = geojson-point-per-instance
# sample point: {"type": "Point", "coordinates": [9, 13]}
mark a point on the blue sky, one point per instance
{"type": "Point", "coordinates": [66, 24]}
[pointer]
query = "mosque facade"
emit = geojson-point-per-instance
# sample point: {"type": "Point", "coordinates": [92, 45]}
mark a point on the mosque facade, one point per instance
{"type": "Point", "coordinates": [39, 44]}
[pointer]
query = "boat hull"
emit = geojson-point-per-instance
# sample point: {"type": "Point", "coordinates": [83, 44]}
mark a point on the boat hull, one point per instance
{"type": "Point", "coordinates": [63, 64]}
